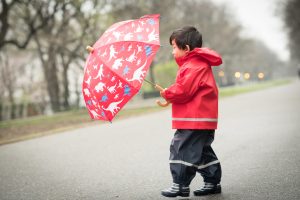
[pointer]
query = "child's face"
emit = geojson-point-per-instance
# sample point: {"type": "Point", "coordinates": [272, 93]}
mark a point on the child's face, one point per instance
{"type": "Point", "coordinates": [177, 53]}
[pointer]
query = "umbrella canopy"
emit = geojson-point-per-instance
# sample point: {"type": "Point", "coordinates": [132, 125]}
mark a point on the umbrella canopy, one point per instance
{"type": "Point", "coordinates": [117, 65]}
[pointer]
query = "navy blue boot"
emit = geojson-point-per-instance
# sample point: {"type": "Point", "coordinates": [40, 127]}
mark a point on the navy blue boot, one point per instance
{"type": "Point", "coordinates": [208, 188]}
{"type": "Point", "coordinates": [176, 190]}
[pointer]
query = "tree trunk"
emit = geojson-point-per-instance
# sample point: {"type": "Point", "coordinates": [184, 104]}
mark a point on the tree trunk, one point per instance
{"type": "Point", "coordinates": [65, 60]}
{"type": "Point", "coordinates": [13, 105]}
{"type": "Point", "coordinates": [50, 71]}
{"type": "Point", "coordinates": [53, 87]}
{"type": "Point", "coordinates": [66, 88]}
{"type": "Point", "coordinates": [1, 108]}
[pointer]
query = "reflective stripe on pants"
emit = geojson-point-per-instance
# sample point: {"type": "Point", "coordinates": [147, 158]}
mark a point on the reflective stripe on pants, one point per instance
{"type": "Point", "coordinates": [191, 152]}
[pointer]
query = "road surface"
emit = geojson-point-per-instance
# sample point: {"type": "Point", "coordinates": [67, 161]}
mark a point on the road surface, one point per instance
{"type": "Point", "coordinates": [257, 143]}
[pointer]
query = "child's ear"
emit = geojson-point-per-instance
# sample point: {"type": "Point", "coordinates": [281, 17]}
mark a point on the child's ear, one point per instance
{"type": "Point", "coordinates": [187, 48]}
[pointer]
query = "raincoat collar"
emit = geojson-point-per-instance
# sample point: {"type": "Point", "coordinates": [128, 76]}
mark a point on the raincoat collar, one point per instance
{"type": "Point", "coordinates": [210, 56]}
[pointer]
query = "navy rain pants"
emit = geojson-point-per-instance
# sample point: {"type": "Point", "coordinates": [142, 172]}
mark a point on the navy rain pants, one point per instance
{"type": "Point", "coordinates": [191, 152]}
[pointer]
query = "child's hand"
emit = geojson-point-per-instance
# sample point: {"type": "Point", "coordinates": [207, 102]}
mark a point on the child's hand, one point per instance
{"type": "Point", "coordinates": [162, 93]}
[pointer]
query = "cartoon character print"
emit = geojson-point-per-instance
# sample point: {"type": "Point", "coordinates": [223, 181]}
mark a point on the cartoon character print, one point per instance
{"type": "Point", "coordinates": [138, 74]}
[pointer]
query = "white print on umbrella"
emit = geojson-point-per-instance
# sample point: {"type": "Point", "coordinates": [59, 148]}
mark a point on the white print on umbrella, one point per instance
{"type": "Point", "coordinates": [94, 102]}
{"type": "Point", "coordinates": [95, 67]}
{"type": "Point", "coordinates": [128, 36]}
{"type": "Point", "coordinates": [129, 48]}
{"type": "Point", "coordinates": [104, 54]}
{"type": "Point", "coordinates": [100, 73]}
{"type": "Point", "coordinates": [139, 29]}
{"type": "Point", "coordinates": [87, 92]}
{"type": "Point", "coordinates": [88, 82]}
{"type": "Point", "coordinates": [112, 52]}
{"type": "Point", "coordinates": [143, 23]}
{"type": "Point", "coordinates": [131, 58]}
{"type": "Point", "coordinates": [112, 89]}
{"type": "Point", "coordinates": [120, 85]}
{"type": "Point", "coordinates": [95, 114]}
{"type": "Point", "coordinates": [113, 107]}
{"type": "Point", "coordinates": [113, 79]}
{"type": "Point", "coordinates": [99, 87]}
{"type": "Point", "coordinates": [152, 36]}
{"type": "Point", "coordinates": [117, 63]}
{"type": "Point", "coordinates": [138, 74]}
{"type": "Point", "coordinates": [139, 49]}
{"type": "Point", "coordinates": [117, 34]}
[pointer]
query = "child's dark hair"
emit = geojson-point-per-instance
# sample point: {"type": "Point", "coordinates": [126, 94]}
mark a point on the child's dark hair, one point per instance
{"type": "Point", "coordinates": [187, 35]}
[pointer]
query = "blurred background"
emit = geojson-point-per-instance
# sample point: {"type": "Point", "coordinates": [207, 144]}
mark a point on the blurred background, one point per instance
{"type": "Point", "coordinates": [42, 45]}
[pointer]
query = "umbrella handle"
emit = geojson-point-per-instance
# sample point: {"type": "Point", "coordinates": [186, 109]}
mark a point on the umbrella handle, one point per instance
{"type": "Point", "coordinates": [90, 49]}
{"type": "Point", "coordinates": [165, 104]}
{"type": "Point", "coordinates": [161, 104]}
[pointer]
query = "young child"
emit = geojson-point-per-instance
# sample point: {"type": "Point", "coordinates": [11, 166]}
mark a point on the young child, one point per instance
{"type": "Point", "coordinates": [194, 98]}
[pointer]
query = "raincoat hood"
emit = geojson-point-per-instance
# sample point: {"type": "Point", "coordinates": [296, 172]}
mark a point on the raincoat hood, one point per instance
{"type": "Point", "coordinates": [211, 57]}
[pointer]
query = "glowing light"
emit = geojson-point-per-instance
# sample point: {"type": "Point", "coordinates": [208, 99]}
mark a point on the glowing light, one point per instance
{"type": "Point", "coordinates": [237, 74]}
{"type": "Point", "coordinates": [246, 76]}
{"type": "Point", "coordinates": [261, 75]}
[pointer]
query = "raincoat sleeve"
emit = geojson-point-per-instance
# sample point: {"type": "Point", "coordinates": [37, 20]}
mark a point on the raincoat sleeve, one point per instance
{"type": "Point", "coordinates": [188, 82]}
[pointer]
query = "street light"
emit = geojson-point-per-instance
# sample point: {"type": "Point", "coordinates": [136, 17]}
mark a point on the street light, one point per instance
{"type": "Point", "coordinates": [261, 75]}
{"type": "Point", "coordinates": [237, 74]}
{"type": "Point", "coordinates": [246, 76]}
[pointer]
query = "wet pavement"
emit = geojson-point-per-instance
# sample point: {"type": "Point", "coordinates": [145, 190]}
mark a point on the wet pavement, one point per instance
{"type": "Point", "coordinates": [257, 143]}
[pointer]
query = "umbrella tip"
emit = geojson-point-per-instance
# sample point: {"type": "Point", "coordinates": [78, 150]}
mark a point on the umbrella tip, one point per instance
{"type": "Point", "coordinates": [90, 49]}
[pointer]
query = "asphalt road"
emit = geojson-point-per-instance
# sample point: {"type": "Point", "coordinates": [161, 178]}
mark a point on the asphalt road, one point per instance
{"type": "Point", "coordinates": [257, 143]}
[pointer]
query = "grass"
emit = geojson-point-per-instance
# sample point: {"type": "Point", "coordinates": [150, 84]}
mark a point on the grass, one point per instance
{"type": "Point", "coordinates": [22, 129]}
{"type": "Point", "coordinates": [235, 90]}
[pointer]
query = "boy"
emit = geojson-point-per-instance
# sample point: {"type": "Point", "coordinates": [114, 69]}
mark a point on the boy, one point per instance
{"type": "Point", "coordinates": [194, 98]}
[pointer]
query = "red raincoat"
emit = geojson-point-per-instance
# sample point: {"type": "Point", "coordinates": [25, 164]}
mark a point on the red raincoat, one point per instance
{"type": "Point", "coordinates": [194, 96]}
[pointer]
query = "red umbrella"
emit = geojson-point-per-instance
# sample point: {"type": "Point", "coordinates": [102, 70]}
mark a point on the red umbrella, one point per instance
{"type": "Point", "coordinates": [117, 65]}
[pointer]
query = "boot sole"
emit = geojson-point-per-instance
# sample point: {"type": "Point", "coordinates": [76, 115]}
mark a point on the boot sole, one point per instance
{"type": "Point", "coordinates": [175, 195]}
{"type": "Point", "coordinates": [217, 191]}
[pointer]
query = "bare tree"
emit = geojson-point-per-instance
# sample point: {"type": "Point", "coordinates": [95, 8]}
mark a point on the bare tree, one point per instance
{"type": "Point", "coordinates": [8, 78]}
{"type": "Point", "coordinates": [13, 17]}
{"type": "Point", "coordinates": [59, 44]}
{"type": "Point", "coordinates": [60, 30]}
